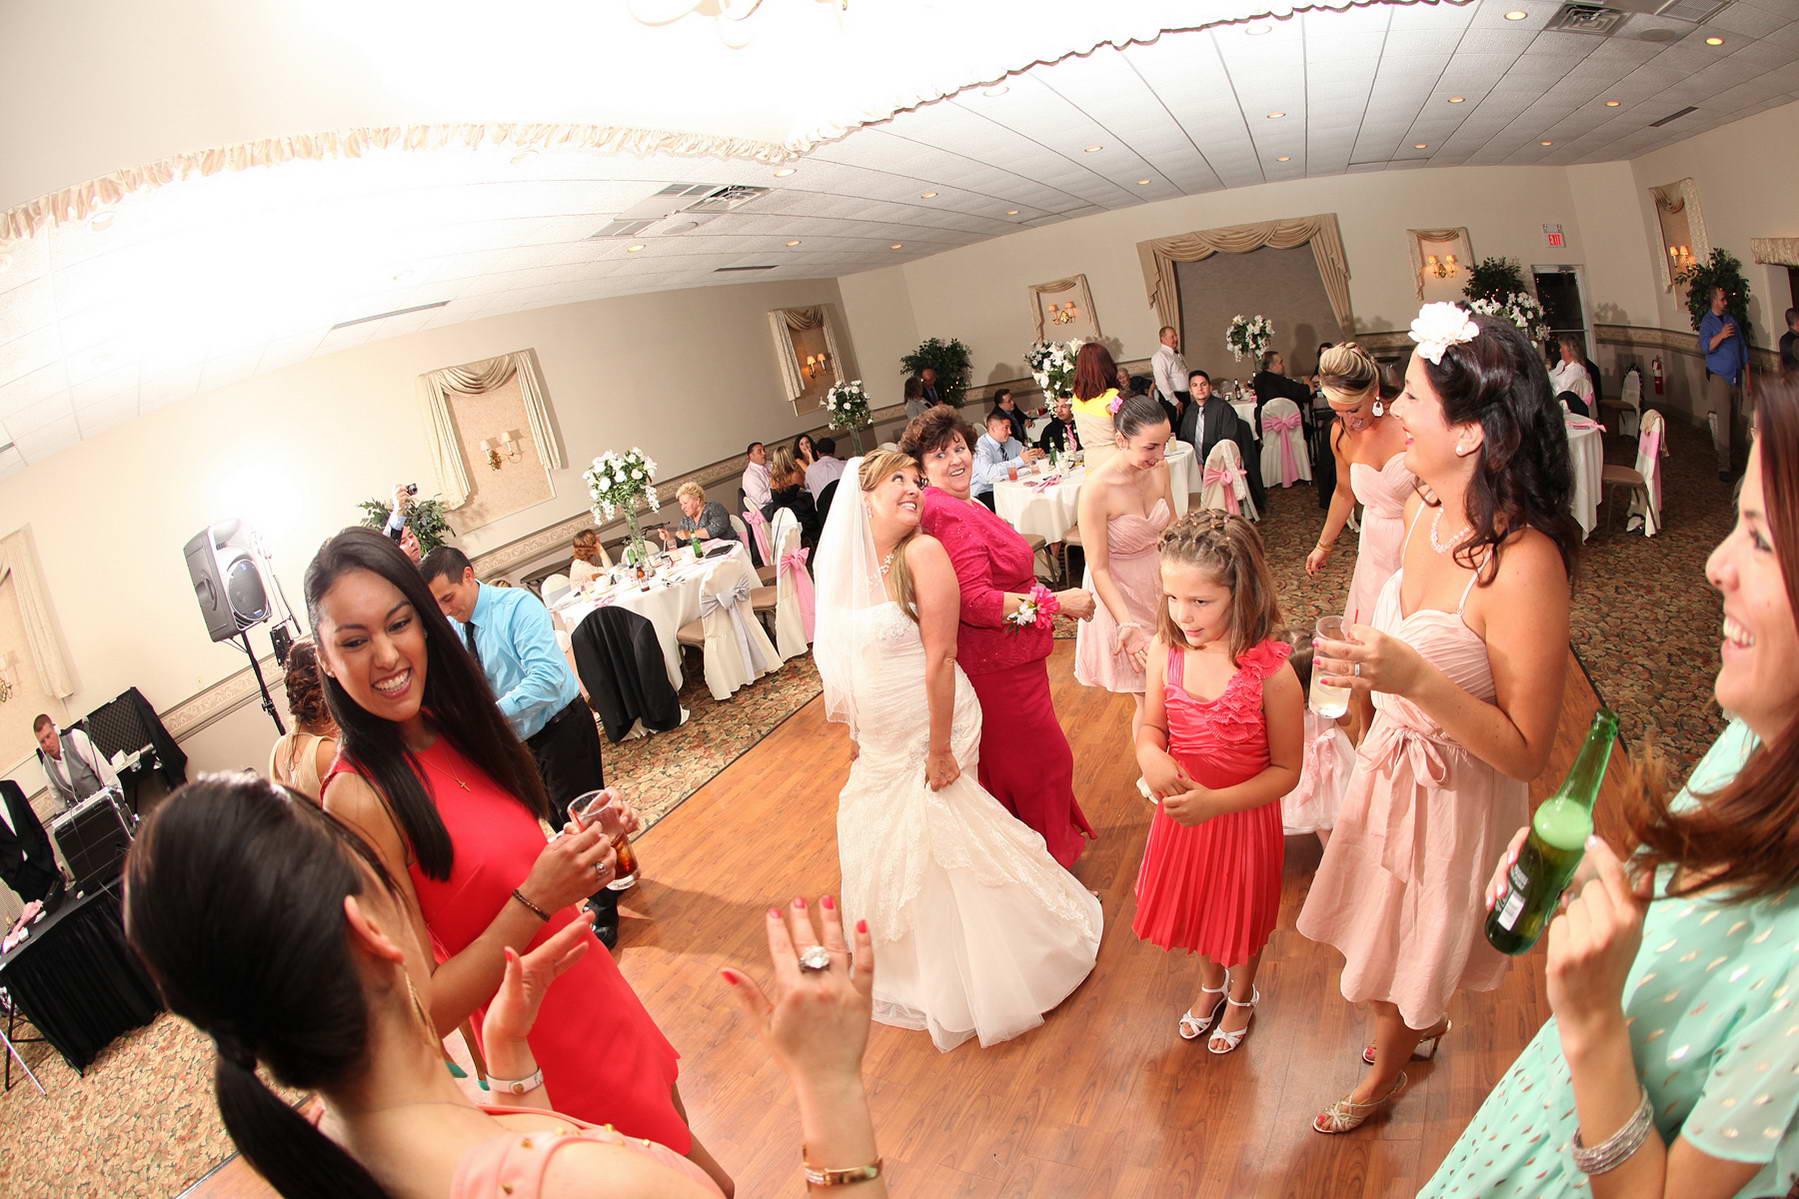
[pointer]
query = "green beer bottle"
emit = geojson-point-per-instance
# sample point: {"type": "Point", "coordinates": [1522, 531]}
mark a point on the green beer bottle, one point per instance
{"type": "Point", "coordinates": [1557, 841]}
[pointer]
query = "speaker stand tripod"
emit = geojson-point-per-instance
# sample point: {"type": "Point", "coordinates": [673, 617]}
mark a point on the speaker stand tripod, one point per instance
{"type": "Point", "coordinates": [268, 702]}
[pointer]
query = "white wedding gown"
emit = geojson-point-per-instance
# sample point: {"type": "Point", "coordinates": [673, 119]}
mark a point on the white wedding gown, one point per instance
{"type": "Point", "coordinates": [977, 930]}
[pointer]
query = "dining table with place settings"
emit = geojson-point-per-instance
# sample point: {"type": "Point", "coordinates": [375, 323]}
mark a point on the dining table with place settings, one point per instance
{"type": "Point", "coordinates": [1047, 503]}
{"type": "Point", "coordinates": [668, 599]}
{"type": "Point", "coordinates": [1586, 451]}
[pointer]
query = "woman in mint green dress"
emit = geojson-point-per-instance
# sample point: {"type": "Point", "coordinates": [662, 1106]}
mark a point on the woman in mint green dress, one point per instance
{"type": "Point", "coordinates": [1675, 980]}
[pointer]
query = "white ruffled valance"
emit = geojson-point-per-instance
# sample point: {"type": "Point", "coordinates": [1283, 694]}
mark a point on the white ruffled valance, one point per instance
{"type": "Point", "coordinates": [472, 379]}
{"type": "Point", "coordinates": [43, 640]}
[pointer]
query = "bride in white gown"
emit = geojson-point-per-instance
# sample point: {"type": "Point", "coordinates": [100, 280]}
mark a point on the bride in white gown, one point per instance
{"type": "Point", "coordinates": [979, 930]}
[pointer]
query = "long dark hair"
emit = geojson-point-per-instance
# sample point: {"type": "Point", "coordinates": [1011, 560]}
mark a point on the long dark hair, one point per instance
{"type": "Point", "coordinates": [1743, 840]}
{"type": "Point", "coordinates": [1094, 371]}
{"type": "Point", "coordinates": [234, 899]}
{"type": "Point", "coordinates": [457, 697]}
{"type": "Point", "coordinates": [1524, 476]}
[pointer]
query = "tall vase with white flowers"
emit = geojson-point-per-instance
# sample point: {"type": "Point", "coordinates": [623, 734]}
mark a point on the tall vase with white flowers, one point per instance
{"type": "Point", "coordinates": [616, 481]}
{"type": "Point", "coordinates": [1051, 364]}
{"type": "Point", "coordinates": [848, 407]}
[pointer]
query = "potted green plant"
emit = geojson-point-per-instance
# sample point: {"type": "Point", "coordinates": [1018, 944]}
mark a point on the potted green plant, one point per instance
{"type": "Point", "coordinates": [426, 517]}
{"type": "Point", "coordinates": [1496, 279]}
{"type": "Point", "coordinates": [1720, 270]}
{"type": "Point", "coordinates": [951, 361]}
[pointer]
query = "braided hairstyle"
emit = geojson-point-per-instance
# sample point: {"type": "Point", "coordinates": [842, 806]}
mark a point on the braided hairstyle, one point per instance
{"type": "Point", "coordinates": [234, 900]}
{"type": "Point", "coordinates": [1228, 548]}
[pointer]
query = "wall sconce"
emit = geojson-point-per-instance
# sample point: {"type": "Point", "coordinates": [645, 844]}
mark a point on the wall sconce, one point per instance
{"type": "Point", "coordinates": [1442, 268]}
{"type": "Point", "coordinates": [1681, 258]}
{"type": "Point", "coordinates": [9, 681]}
{"type": "Point", "coordinates": [815, 365]}
{"type": "Point", "coordinates": [506, 444]}
{"type": "Point", "coordinates": [1060, 316]}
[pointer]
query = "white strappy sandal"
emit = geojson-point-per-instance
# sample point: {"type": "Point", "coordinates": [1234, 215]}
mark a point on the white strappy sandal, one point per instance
{"type": "Point", "coordinates": [1192, 1027]}
{"type": "Point", "coordinates": [1233, 1039]}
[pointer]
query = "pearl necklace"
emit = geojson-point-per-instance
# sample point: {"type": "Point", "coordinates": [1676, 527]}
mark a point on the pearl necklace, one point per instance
{"type": "Point", "coordinates": [887, 563]}
{"type": "Point", "coordinates": [1436, 544]}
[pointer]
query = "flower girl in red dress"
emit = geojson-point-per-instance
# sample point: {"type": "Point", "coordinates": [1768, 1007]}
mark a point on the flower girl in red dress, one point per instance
{"type": "Point", "coordinates": [1223, 723]}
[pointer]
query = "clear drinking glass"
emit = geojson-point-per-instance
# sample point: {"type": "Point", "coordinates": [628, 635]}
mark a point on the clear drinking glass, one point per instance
{"type": "Point", "coordinates": [1329, 702]}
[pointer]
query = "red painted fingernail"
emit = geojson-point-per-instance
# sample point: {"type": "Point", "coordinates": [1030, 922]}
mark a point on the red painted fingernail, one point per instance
{"type": "Point", "coordinates": [774, 913]}
{"type": "Point", "coordinates": [828, 904]}
{"type": "Point", "coordinates": [861, 926]}
{"type": "Point", "coordinates": [799, 902]}
{"type": "Point", "coordinates": [729, 977]}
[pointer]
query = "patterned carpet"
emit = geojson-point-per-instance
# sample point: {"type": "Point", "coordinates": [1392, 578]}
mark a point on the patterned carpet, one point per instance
{"type": "Point", "coordinates": [1645, 624]}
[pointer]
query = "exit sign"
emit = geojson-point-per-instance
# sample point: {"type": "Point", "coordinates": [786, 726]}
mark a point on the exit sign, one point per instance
{"type": "Point", "coordinates": [1553, 234]}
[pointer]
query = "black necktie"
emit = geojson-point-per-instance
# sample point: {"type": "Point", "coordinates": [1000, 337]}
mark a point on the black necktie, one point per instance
{"type": "Point", "coordinates": [475, 650]}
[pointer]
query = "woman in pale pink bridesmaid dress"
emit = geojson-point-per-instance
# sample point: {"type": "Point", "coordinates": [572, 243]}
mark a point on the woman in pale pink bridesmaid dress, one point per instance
{"type": "Point", "coordinates": [1465, 659]}
{"type": "Point", "coordinates": [1125, 504]}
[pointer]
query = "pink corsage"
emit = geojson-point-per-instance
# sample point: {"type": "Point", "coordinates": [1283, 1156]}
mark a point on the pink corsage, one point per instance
{"type": "Point", "coordinates": [1116, 403]}
{"type": "Point", "coordinates": [1038, 609]}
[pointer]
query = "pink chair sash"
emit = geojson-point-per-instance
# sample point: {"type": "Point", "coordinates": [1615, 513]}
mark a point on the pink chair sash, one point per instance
{"type": "Point", "coordinates": [1652, 446]}
{"type": "Point", "coordinates": [793, 565]}
{"type": "Point", "coordinates": [759, 526]}
{"type": "Point", "coordinates": [1283, 427]}
{"type": "Point", "coordinates": [1227, 479]}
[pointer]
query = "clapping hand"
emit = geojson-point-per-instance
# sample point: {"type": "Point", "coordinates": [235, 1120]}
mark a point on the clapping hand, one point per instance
{"type": "Point", "coordinates": [816, 1023]}
{"type": "Point", "coordinates": [528, 977]}
{"type": "Point", "coordinates": [1594, 940]}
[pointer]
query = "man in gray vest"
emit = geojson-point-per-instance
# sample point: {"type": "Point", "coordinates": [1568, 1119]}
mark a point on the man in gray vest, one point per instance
{"type": "Point", "coordinates": [73, 768]}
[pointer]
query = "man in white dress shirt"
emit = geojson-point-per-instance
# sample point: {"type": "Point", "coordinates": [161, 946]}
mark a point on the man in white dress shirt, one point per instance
{"type": "Point", "coordinates": [826, 470]}
{"type": "Point", "coordinates": [756, 490]}
{"type": "Point", "coordinates": [1570, 374]}
{"type": "Point", "coordinates": [1171, 369]}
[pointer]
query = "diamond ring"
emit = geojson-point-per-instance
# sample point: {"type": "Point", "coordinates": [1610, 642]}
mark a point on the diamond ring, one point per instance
{"type": "Point", "coordinates": [1358, 670]}
{"type": "Point", "coordinates": [814, 958]}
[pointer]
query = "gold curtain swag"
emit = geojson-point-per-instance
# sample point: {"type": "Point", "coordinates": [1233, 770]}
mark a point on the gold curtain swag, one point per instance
{"type": "Point", "coordinates": [473, 378]}
{"type": "Point", "coordinates": [1159, 255]}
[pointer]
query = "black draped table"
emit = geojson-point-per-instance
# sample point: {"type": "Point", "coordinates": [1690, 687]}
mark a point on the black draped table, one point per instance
{"type": "Point", "coordinates": [77, 981]}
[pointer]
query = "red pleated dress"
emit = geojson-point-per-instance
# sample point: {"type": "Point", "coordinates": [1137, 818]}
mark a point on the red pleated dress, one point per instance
{"type": "Point", "coordinates": [603, 1058]}
{"type": "Point", "coordinates": [1215, 888]}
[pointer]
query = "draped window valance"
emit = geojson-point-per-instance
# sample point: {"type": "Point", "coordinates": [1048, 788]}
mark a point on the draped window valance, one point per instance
{"type": "Point", "coordinates": [1086, 323]}
{"type": "Point", "coordinates": [1423, 242]}
{"type": "Point", "coordinates": [473, 379]}
{"type": "Point", "coordinates": [1680, 223]}
{"type": "Point", "coordinates": [803, 318]}
{"type": "Point", "coordinates": [785, 324]}
{"type": "Point", "coordinates": [1159, 255]}
{"type": "Point", "coordinates": [18, 561]}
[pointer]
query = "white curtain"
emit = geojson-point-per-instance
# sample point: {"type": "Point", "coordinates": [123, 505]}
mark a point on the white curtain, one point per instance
{"type": "Point", "coordinates": [474, 378]}
{"type": "Point", "coordinates": [18, 561]}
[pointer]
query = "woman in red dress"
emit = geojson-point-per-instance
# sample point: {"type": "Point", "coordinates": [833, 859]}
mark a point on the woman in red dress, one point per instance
{"type": "Point", "coordinates": [432, 776]}
{"type": "Point", "coordinates": [1025, 760]}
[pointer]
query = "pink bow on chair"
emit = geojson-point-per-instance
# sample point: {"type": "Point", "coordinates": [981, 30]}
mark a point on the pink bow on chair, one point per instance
{"type": "Point", "coordinates": [1653, 449]}
{"type": "Point", "coordinates": [794, 566]}
{"type": "Point", "coordinates": [1581, 422]}
{"type": "Point", "coordinates": [1226, 478]}
{"type": "Point", "coordinates": [1281, 427]}
{"type": "Point", "coordinates": [759, 526]}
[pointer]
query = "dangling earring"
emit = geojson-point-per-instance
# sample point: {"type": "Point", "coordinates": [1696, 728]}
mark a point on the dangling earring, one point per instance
{"type": "Point", "coordinates": [1380, 409]}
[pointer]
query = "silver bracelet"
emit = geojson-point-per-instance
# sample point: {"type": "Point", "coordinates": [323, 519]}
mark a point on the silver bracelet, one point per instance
{"type": "Point", "coordinates": [1617, 1148]}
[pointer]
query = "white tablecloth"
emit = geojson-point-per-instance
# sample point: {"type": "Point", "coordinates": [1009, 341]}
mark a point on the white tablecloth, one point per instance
{"type": "Point", "coordinates": [673, 599]}
{"type": "Point", "coordinates": [1587, 449]}
{"type": "Point", "coordinates": [1247, 410]}
{"type": "Point", "coordinates": [1050, 512]}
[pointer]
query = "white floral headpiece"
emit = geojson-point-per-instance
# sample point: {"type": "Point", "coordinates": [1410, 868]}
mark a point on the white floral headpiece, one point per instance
{"type": "Point", "coordinates": [1439, 326]}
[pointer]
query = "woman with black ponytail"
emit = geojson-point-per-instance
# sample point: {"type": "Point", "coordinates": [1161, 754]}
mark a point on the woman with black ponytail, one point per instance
{"type": "Point", "coordinates": [434, 779]}
{"type": "Point", "coordinates": [278, 932]}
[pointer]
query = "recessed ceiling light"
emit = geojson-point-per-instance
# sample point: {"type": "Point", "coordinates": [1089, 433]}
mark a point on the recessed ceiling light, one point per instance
{"type": "Point", "coordinates": [1285, 158]}
{"type": "Point", "coordinates": [1093, 149]}
{"type": "Point", "coordinates": [634, 249]}
{"type": "Point", "coordinates": [794, 242]}
{"type": "Point", "coordinates": [1517, 14]}
{"type": "Point", "coordinates": [1420, 145]}
{"type": "Point", "coordinates": [927, 195]}
{"type": "Point", "coordinates": [1260, 29]}
{"type": "Point", "coordinates": [102, 220]}
{"type": "Point", "coordinates": [1545, 143]}
{"type": "Point", "coordinates": [1714, 40]}
{"type": "Point", "coordinates": [1613, 103]}
{"type": "Point", "coordinates": [1011, 212]}
{"type": "Point", "coordinates": [1142, 183]}
{"type": "Point", "coordinates": [1001, 90]}
{"type": "Point", "coordinates": [784, 172]}
{"type": "Point", "coordinates": [1275, 116]}
{"type": "Point", "coordinates": [898, 245]}
{"type": "Point", "coordinates": [1457, 99]}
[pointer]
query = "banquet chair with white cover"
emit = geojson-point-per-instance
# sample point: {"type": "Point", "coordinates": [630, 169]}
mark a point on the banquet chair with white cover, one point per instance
{"type": "Point", "coordinates": [1225, 484]}
{"type": "Point", "coordinates": [554, 587]}
{"type": "Point", "coordinates": [1645, 480]}
{"type": "Point", "coordinates": [736, 650]}
{"type": "Point", "coordinates": [790, 599]}
{"type": "Point", "coordinates": [1284, 454]}
{"type": "Point", "coordinates": [1628, 406]}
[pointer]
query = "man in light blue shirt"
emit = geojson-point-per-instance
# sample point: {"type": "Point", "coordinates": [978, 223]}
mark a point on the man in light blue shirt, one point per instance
{"type": "Point", "coordinates": [996, 454]}
{"type": "Point", "coordinates": [1726, 363]}
{"type": "Point", "coordinates": [508, 630]}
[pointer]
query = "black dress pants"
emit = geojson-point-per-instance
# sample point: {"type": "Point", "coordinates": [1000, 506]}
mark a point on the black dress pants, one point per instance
{"type": "Point", "coordinates": [567, 750]}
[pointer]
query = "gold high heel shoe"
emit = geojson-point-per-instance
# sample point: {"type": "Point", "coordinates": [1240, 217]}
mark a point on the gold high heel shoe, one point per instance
{"type": "Point", "coordinates": [1418, 1053]}
{"type": "Point", "coordinates": [1346, 1115]}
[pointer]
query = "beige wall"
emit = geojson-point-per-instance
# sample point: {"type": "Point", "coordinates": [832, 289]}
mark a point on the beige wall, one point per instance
{"type": "Point", "coordinates": [689, 376]}
{"type": "Point", "coordinates": [1282, 285]}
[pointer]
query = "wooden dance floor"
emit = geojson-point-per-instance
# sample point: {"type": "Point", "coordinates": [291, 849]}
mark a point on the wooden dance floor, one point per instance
{"type": "Point", "coordinates": [1104, 1099]}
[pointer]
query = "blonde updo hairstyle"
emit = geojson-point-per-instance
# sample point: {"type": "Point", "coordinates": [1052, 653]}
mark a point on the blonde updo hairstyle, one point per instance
{"type": "Point", "coordinates": [1348, 374]}
{"type": "Point", "coordinates": [875, 468]}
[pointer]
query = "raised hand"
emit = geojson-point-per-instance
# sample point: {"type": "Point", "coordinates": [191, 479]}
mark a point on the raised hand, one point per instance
{"type": "Point", "coordinates": [528, 978]}
{"type": "Point", "coordinates": [815, 1024]}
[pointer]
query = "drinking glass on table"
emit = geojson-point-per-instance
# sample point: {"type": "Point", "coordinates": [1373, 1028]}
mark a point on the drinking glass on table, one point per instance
{"type": "Point", "coordinates": [1328, 701]}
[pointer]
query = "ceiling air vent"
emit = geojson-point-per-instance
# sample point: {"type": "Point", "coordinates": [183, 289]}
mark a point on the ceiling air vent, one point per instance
{"type": "Point", "coordinates": [381, 316]}
{"type": "Point", "coordinates": [620, 229]}
{"type": "Point", "coordinates": [719, 270]}
{"type": "Point", "coordinates": [1673, 116]}
{"type": "Point", "coordinates": [1595, 19]}
{"type": "Point", "coordinates": [727, 198]}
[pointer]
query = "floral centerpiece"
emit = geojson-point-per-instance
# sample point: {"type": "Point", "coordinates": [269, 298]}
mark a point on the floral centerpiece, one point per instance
{"type": "Point", "coordinates": [1052, 364]}
{"type": "Point", "coordinates": [848, 405]}
{"type": "Point", "coordinates": [617, 481]}
{"type": "Point", "coordinates": [1520, 308]}
{"type": "Point", "coordinates": [1248, 336]}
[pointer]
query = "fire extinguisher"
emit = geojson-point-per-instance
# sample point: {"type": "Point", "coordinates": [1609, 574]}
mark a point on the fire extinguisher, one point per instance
{"type": "Point", "coordinates": [1655, 368]}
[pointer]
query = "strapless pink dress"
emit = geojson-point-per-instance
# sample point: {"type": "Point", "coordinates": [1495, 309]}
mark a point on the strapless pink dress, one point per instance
{"type": "Point", "coordinates": [1131, 545]}
{"type": "Point", "coordinates": [1383, 494]}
